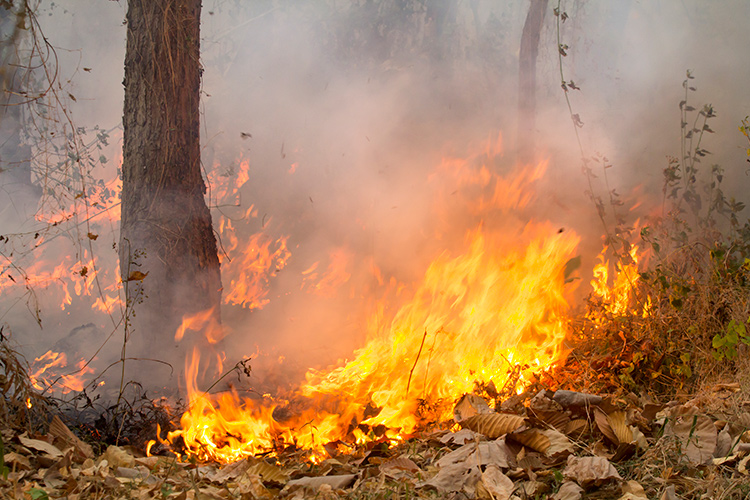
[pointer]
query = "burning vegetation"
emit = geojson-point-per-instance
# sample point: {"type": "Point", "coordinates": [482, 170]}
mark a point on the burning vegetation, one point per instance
{"type": "Point", "coordinates": [470, 324]}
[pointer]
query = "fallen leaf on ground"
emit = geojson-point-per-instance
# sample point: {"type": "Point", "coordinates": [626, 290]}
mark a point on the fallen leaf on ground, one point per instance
{"type": "Point", "coordinates": [590, 471]}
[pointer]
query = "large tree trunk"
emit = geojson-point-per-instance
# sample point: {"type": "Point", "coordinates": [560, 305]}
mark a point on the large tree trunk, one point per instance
{"type": "Point", "coordinates": [532, 29]}
{"type": "Point", "coordinates": [166, 226]}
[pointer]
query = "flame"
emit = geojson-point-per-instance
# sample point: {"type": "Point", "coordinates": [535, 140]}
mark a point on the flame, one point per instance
{"type": "Point", "coordinates": [493, 309]}
{"type": "Point", "coordinates": [621, 295]}
{"type": "Point", "coordinates": [336, 275]}
{"type": "Point", "coordinates": [46, 368]}
{"type": "Point", "coordinates": [260, 260]}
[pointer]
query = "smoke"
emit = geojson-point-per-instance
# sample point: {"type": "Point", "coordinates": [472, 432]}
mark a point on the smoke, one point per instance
{"type": "Point", "coordinates": [344, 110]}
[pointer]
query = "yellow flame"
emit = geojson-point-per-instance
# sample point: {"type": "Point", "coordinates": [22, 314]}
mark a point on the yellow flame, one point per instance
{"type": "Point", "coordinates": [492, 310]}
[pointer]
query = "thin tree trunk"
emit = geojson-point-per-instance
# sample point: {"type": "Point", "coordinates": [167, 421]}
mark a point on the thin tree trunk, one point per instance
{"type": "Point", "coordinates": [166, 231]}
{"type": "Point", "coordinates": [532, 29]}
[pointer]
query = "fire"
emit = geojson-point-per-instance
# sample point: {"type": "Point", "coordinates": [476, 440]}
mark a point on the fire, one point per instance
{"type": "Point", "coordinates": [492, 309]}
{"type": "Point", "coordinates": [261, 259]}
{"type": "Point", "coordinates": [337, 274]}
{"type": "Point", "coordinates": [45, 370]}
{"type": "Point", "coordinates": [621, 295]}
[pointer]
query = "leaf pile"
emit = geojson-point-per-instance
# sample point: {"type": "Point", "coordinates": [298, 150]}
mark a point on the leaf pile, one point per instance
{"type": "Point", "coordinates": [560, 445]}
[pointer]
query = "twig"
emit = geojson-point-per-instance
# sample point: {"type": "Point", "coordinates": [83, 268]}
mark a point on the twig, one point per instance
{"type": "Point", "coordinates": [408, 383]}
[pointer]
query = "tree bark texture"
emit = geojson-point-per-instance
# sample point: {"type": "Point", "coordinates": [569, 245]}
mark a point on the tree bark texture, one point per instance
{"type": "Point", "coordinates": [166, 228]}
{"type": "Point", "coordinates": [19, 196]}
{"type": "Point", "coordinates": [532, 29]}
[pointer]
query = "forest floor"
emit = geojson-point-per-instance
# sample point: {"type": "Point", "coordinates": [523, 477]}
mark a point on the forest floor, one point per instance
{"type": "Point", "coordinates": [547, 443]}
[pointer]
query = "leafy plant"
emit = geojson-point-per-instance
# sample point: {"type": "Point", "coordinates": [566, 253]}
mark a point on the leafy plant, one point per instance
{"type": "Point", "coordinates": [725, 345]}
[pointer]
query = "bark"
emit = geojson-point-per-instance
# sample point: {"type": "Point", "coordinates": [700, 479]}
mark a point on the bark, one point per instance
{"type": "Point", "coordinates": [166, 229]}
{"type": "Point", "coordinates": [19, 196]}
{"type": "Point", "coordinates": [532, 29]}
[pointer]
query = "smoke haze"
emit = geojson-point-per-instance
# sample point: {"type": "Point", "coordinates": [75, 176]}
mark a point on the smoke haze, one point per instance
{"type": "Point", "coordinates": [343, 112]}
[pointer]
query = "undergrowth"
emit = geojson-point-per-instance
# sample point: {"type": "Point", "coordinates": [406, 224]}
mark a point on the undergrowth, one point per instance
{"type": "Point", "coordinates": [686, 324]}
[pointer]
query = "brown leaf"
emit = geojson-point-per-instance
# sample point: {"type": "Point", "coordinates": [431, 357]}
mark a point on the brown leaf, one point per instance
{"type": "Point", "coordinates": [602, 422]}
{"type": "Point", "coordinates": [137, 276]}
{"type": "Point", "coordinates": [697, 435]}
{"type": "Point", "coordinates": [618, 423]}
{"type": "Point", "coordinates": [93, 236]}
{"type": "Point", "coordinates": [336, 482]}
{"type": "Point", "coordinates": [568, 491]}
{"type": "Point", "coordinates": [15, 461]}
{"type": "Point", "coordinates": [669, 493]}
{"type": "Point", "coordinates": [632, 490]}
{"type": "Point", "coordinates": [398, 466]}
{"type": "Point", "coordinates": [559, 443]}
{"type": "Point", "coordinates": [43, 446]}
{"type": "Point", "coordinates": [453, 478]}
{"type": "Point", "coordinates": [532, 438]}
{"type": "Point", "coordinates": [588, 471]}
{"type": "Point", "coordinates": [468, 406]}
{"type": "Point", "coordinates": [268, 472]}
{"type": "Point", "coordinates": [483, 453]}
{"type": "Point", "coordinates": [577, 427]}
{"type": "Point", "coordinates": [60, 431]}
{"type": "Point", "coordinates": [494, 425]}
{"type": "Point", "coordinates": [553, 419]}
{"type": "Point", "coordinates": [118, 457]}
{"type": "Point", "coordinates": [461, 437]}
{"type": "Point", "coordinates": [498, 484]}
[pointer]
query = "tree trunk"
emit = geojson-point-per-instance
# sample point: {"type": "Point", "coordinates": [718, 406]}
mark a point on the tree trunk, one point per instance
{"type": "Point", "coordinates": [19, 197]}
{"type": "Point", "coordinates": [532, 29]}
{"type": "Point", "coordinates": [166, 231]}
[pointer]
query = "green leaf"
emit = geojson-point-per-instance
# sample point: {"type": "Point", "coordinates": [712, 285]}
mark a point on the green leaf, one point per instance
{"type": "Point", "coordinates": [38, 494]}
{"type": "Point", "coordinates": [570, 267]}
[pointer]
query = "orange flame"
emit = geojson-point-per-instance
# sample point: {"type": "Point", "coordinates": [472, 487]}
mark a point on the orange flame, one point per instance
{"type": "Point", "coordinates": [251, 271]}
{"type": "Point", "coordinates": [46, 368]}
{"type": "Point", "coordinates": [620, 296]}
{"type": "Point", "coordinates": [492, 311]}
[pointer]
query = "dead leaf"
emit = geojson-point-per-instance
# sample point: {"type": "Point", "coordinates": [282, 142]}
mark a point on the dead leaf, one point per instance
{"type": "Point", "coordinates": [602, 422]}
{"type": "Point", "coordinates": [461, 437]}
{"type": "Point", "coordinates": [43, 446]}
{"type": "Point", "coordinates": [494, 425]}
{"type": "Point", "coordinates": [590, 471]}
{"type": "Point", "coordinates": [532, 438]}
{"type": "Point", "coordinates": [268, 472]}
{"type": "Point", "coordinates": [498, 484]}
{"type": "Point", "coordinates": [553, 419]}
{"type": "Point", "coordinates": [398, 467]}
{"type": "Point", "coordinates": [559, 443]}
{"type": "Point", "coordinates": [61, 431]}
{"type": "Point", "coordinates": [632, 490]}
{"type": "Point", "coordinates": [697, 436]}
{"type": "Point", "coordinates": [118, 457]}
{"type": "Point", "coordinates": [335, 482]}
{"type": "Point", "coordinates": [577, 427]}
{"type": "Point", "coordinates": [483, 453]}
{"type": "Point", "coordinates": [468, 406]}
{"type": "Point", "coordinates": [669, 493]}
{"type": "Point", "coordinates": [568, 491]}
{"type": "Point", "coordinates": [618, 423]}
{"type": "Point", "coordinates": [723, 443]}
{"type": "Point", "coordinates": [15, 461]}
{"type": "Point", "coordinates": [137, 276]}
{"type": "Point", "coordinates": [453, 478]}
